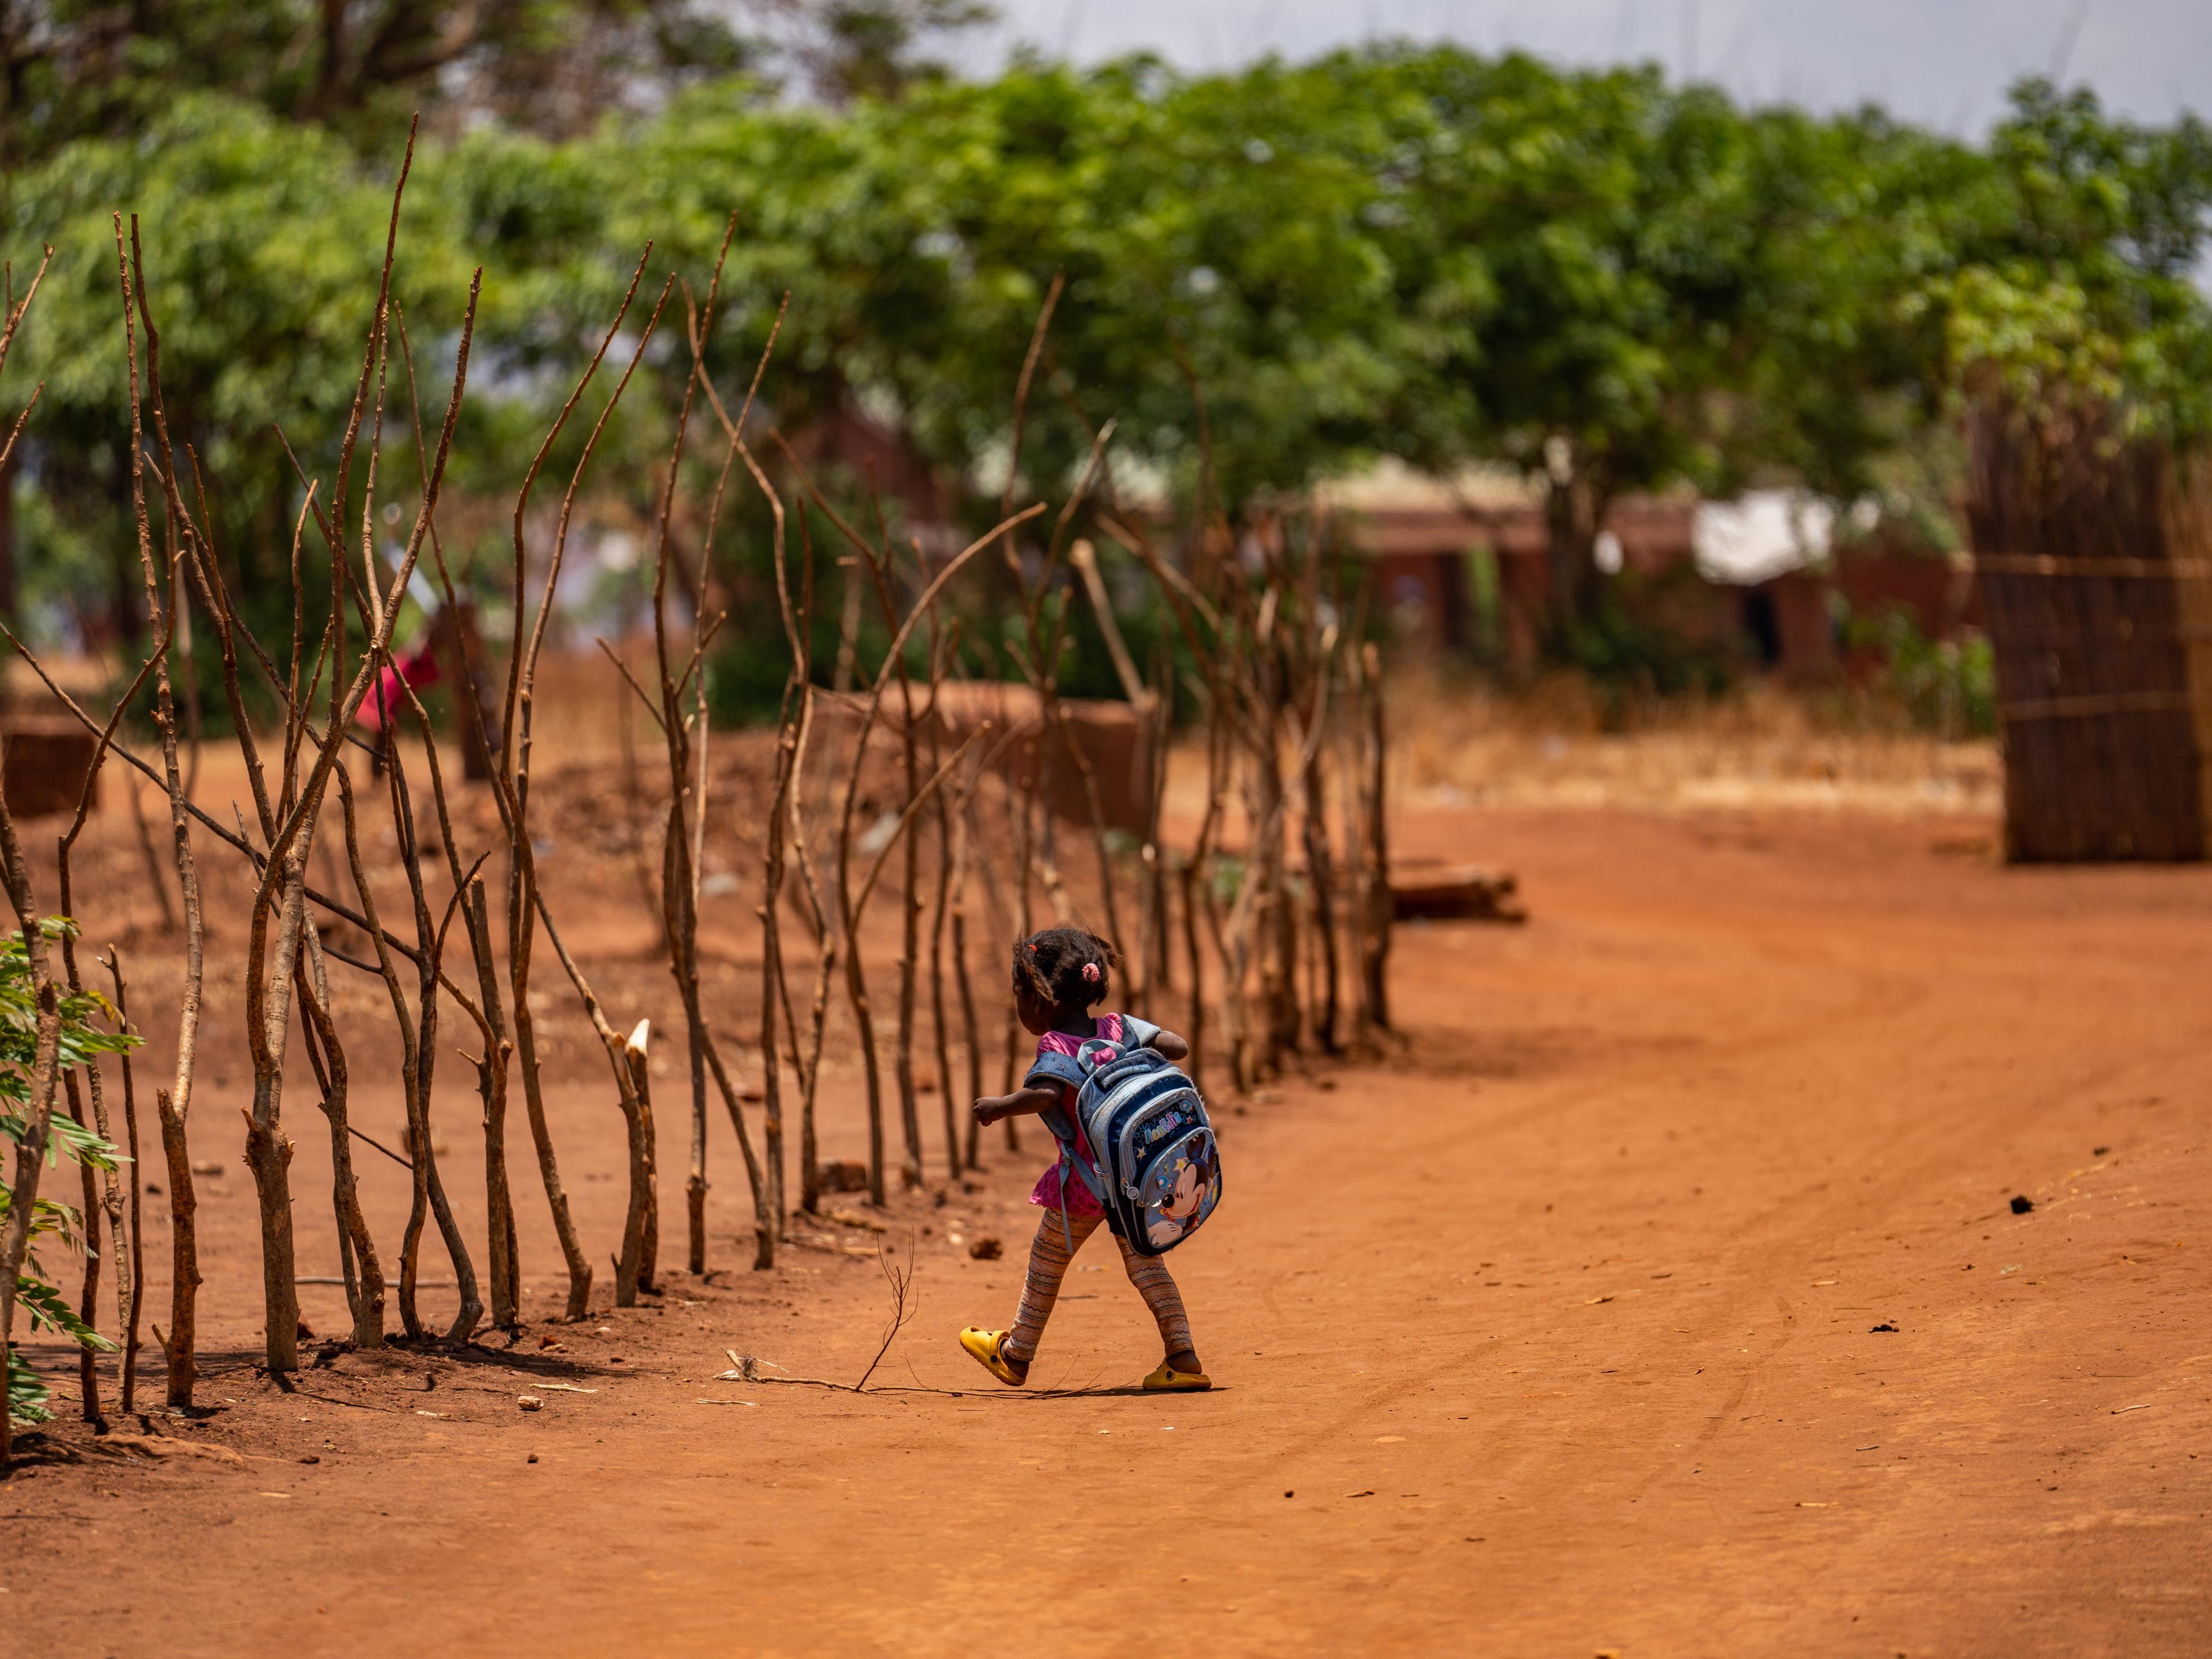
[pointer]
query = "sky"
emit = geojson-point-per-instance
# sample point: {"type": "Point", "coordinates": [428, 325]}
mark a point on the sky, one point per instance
{"type": "Point", "coordinates": [1945, 64]}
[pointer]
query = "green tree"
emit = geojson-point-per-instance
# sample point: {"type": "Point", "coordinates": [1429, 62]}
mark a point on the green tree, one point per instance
{"type": "Point", "coordinates": [262, 243]}
{"type": "Point", "coordinates": [851, 49]}
{"type": "Point", "coordinates": [1608, 282]}
{"type": "Point", "coordinates": [74, 69]}
{"type": "Point", "coordinates": [1618, 227]}
{"type": "Point", "coordinates": [2081, 292]}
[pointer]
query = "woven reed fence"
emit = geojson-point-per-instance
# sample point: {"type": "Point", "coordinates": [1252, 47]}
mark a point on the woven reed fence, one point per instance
{"type": "Point", "coordinates": [2095, 557]}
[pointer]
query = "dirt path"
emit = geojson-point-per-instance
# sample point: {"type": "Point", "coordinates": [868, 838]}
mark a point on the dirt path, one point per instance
{"type": "Point", "coordinates": [1567, 1332]}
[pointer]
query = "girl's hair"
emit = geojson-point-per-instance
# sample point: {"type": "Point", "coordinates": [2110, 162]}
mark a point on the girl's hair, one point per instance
{"type": "Point", "coordinates": [1065, 967]}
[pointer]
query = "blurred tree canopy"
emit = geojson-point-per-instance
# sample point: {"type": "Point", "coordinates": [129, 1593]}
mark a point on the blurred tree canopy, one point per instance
{"type": "Point", "coordinates": [74, 69]}
{"type": "Point", "coordinates": [2084, 286]}
{"type": "Point", "coordinates": [1606, 280]}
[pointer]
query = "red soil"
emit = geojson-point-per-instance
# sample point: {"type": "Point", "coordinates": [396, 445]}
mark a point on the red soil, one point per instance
{"type": "Point", "coordinates": [1563, 1331]}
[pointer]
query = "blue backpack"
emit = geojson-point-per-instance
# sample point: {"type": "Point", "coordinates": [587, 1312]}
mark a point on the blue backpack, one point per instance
{"type": "Point", "coordinates": [1157, 1170]}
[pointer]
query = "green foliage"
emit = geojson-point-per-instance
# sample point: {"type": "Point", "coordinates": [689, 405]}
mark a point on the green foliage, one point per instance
{"type": "Point", "coordinates": [76, 68]}
{"type": "Point", "coordinates": [874, 47]}
{"type": "Point", "coordinates": [1632, 650]}
{"type": "Point", "coordinates": [1268, 276]}
{"type": "Point", "coordinates": [2081, 294]}
{"type": "Point", "coordinates": [262, 243]}
{"type": "Point", "coordinates": [27, 1391]}
{"type": "Point", "coordinates": [1945, 687]}
{"type": "Point", "coordinates": [49, 1309]}
{"type": "Point", "coordinates": [80, 1040]}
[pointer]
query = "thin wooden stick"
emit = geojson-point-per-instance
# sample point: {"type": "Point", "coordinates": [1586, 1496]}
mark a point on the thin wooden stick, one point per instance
{"type": "Point", "coordinates": [910, 1170]}
{"type": "Point", "coordinates": [154, 875]}
{"type": "Point", "coordinates": [681, 843]}
{"type": "Point", "coordinates": [526, 898]}
{"type": "Point", "coordinates": [971, 1038]}
{"type": "Point", "coordinates": [87, 1370]}
{"type": "Point", "coordinates": [365, 1285]}
{"type": "Point", "coordinates": [817, 913]}
{"type": "Point", "coordinates": [1376, 960]}
{"type": "Point", "coordinates": [939, 653]}
{"type": "Point", "coordinates": [112, 1198]}
{"type": "Point", "coordinates": [172, 1105]}
{"type": "Point", "coordinates": [791, 714]}
{"type": "Point", "coordinates": [130, 1387]}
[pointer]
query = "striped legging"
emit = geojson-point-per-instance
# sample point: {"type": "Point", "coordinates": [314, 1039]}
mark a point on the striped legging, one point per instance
{"type": "Point", "coordinates": [1048, 1259]}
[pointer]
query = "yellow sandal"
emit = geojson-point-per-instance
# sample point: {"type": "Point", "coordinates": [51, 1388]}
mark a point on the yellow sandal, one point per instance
{"type": "Point", "coordinates": [1168, 1380]}
{"type": "Point", "coordinates": [989, 1348]}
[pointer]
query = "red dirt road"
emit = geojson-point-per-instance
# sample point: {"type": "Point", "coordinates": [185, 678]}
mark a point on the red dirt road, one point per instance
{"type": "Point", "coordinates": [1556, 1335]}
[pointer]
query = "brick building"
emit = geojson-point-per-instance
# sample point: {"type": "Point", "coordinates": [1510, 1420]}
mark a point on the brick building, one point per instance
{"type": "Point", "coordinates": [1462, 566]}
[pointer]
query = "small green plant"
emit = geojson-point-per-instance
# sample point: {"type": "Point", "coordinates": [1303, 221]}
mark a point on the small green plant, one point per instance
{"type": "Point", "coordinates": [1228, 877]}
{"type": "Point", "coordinates": [1946, 687]}
{"type": "Point", "coordinates": [83, 1038]}
{"type": "Point", "coordinates": [1635, 648]}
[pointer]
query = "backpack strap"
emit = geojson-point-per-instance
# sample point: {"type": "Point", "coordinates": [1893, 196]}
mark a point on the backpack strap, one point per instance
{"type": "Point", "coordinates": [1138, 1033]}
{"type": "Point", "coordinates": [1051, 1067]}
{"type": "Point", "coordinates": [1063, 1070]}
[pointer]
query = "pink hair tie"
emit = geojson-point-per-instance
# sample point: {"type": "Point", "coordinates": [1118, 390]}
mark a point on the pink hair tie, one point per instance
{"type": "Point", "coordinates": [1091, 972]}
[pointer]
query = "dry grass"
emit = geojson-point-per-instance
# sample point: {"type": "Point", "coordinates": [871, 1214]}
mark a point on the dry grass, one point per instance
{"type": "Point", "coordinates": [1761, 747]}
{"type": "Point", "coordinates": [1457, 742]}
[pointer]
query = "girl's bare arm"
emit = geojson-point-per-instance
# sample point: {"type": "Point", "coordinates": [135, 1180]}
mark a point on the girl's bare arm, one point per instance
{"type": "Point", "coordinates": [1170, 1046]}
{"type": "Point", "coordinates": [1024, 1101]}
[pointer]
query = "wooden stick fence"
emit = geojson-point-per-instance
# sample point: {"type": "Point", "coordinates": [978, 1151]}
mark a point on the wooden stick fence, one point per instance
{"type": "Point", "coordinates": [1268, 951]}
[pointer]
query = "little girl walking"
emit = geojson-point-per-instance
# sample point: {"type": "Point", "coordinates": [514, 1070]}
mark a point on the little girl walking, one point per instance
{"type": "Point", "coordinates": [1059, 975]}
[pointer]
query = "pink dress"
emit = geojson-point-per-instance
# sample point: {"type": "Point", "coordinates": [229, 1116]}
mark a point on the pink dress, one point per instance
{"type": "Point", "coordinates": [1047, 1193]}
